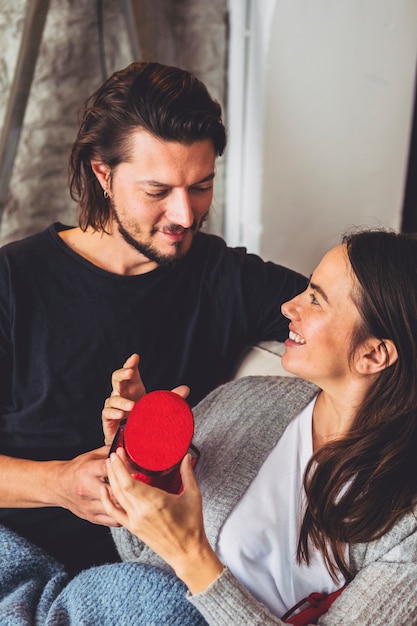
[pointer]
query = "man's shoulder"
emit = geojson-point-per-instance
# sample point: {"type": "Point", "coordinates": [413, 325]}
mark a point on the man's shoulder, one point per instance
{"type": "Point", "coordinates": [207, 241]}
{"type": "Point", "coordinates": [214, 250]}
{"type": "Point", "coordinates": [32, 242]}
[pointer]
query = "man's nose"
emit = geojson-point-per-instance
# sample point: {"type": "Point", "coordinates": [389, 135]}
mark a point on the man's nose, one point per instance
{"type": "Point", "coordinates": [180, 211]}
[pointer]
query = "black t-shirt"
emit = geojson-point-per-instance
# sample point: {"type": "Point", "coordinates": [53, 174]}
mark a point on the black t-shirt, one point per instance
{"type": "Point", "coordinates": [66, 324]}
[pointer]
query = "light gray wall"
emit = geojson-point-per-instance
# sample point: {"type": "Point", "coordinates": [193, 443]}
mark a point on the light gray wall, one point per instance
{"type": "Point", "coordinates": [321, 98]}
{"type": "Point", "coordinates": [338, 107]}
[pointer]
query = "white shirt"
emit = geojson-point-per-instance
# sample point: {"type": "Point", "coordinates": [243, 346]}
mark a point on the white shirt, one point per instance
{"type": "Point", "coordinates": [258, 541]}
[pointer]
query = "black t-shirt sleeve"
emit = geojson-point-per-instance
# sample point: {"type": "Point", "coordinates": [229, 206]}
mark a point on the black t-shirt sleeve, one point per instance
{"type": "Point", "coordinates": [245, 295]}
{"type": "Point", "coordinates": [265, 287]}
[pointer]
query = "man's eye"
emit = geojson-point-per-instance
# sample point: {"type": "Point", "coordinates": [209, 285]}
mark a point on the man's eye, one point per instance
{"type": "Point", "coordinates": [159, 194]}
{"type": "Point", "coordinates": [202, 189]}
{"type": "Point", "coordinates": [313, 299]}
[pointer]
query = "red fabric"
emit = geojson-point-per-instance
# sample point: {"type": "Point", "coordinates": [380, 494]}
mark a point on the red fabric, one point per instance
{"type": "Point", "coordinates": [319, 604]}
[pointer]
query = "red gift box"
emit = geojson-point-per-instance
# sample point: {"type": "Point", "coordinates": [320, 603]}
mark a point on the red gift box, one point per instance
{"type": "Point", "coordinates": [156, 437]}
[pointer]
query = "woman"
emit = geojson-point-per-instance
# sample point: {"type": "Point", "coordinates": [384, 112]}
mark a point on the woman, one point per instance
{"type": "Point", "coordinates": [306, 486]}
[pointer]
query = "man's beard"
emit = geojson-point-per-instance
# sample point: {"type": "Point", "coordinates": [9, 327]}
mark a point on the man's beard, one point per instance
{"type": "Point", "coordinates": [150, 251]}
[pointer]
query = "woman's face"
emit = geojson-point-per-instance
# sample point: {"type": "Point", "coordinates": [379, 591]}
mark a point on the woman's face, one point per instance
{"type": "Point", "coordinates": [322, 320]}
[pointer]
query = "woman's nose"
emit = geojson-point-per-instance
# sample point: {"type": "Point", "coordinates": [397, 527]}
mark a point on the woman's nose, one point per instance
{"type": "Point", "coordinates": [290, 309]}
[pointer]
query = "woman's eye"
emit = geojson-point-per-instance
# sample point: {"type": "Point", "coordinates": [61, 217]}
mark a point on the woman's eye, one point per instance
{"type": "Point", "coordinates": [313, 299]}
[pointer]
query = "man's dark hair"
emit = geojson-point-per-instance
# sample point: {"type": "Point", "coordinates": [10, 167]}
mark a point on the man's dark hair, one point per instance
{"type": "Point", "coordinates": [168, 102]}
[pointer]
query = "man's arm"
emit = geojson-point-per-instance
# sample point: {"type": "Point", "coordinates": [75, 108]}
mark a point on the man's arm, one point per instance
{"type": "Point", "coordinates": [73, 485]}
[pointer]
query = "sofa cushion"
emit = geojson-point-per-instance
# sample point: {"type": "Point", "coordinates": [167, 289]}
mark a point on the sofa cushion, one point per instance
{"type": "Point", "coordinates": [261, 359]}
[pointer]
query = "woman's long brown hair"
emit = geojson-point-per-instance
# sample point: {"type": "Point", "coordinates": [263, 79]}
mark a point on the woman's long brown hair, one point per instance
{"type": "Point", "coordinates": [358, 487]}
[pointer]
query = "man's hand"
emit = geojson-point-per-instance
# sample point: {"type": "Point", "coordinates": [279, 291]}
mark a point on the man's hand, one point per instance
{"type": "Point", "coordinates": [71, 484]}
{"type": "Point", "coordinates": [127, 382]}
{"type": "Point", "coordinates": [78, 483]}
{"type": "Point", "coordinates": [128, 388]}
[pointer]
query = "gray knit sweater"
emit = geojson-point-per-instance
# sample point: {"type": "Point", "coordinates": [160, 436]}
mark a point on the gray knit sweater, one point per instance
{"type": "Point", "coordinates": [237, 426]}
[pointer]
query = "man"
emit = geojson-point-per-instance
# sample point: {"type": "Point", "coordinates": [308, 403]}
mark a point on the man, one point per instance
{"type": "Point", "coordinates": [135, 276]}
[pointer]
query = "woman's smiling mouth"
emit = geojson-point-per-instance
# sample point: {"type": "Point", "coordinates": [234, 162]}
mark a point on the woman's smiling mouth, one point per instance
{"type": "Point", "coordinates": [296, 337]}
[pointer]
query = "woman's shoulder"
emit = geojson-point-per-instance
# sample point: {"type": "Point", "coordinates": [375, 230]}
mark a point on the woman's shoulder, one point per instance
{"type": "Point", "coordinates": [267, 389]}
{"type": "Point", "coordinates": [398, 545]}
{"type": "Point", "coordinates": [253, 404]}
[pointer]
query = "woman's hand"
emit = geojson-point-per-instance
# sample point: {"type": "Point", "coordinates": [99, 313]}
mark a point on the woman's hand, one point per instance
{"type": "Point", "coordinates": [171, 525]}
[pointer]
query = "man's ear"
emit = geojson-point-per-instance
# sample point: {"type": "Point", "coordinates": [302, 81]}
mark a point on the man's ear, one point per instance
{"type": "Point", "coordinates": [102, 172]}
{"type": "Point", "coordinates": [375, 355]}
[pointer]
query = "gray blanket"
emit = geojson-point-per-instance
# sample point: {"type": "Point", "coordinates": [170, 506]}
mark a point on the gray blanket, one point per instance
{"type": "Point", "coordinates": [36, 591]}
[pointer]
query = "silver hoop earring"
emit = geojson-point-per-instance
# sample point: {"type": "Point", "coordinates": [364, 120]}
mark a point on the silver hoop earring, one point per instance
{"type": "Point", "coordinates": [105, 194]}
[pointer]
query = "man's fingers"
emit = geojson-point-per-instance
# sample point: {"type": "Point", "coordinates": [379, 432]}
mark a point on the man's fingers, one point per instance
{"type": "Point", "coordinates": [121, 376]}
{"type": "Point", "coordinates": [132, 361]}
{"type": "Point", "coordinates": [117, 402]}
{"type": "Point", "coordinates": [182, 390]}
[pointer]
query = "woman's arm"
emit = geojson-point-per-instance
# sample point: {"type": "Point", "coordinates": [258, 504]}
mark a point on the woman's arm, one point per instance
{"type": "Point", "coordinates": [171, 525]}
{"type": "Point", "coordinates": [226, 602]}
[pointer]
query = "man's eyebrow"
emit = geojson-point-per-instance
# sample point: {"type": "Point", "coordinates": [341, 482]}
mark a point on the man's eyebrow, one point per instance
{"type": "Point", "coordinates": [156, 183]}
{"type": "Point", "coordinates": [206, 179]}
{"type": "Point", "coordinates": [319, 290]}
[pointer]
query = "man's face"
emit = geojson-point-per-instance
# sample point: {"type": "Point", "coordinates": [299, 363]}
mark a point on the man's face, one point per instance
{"type": "Point", "coordinates": [161, 195]}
